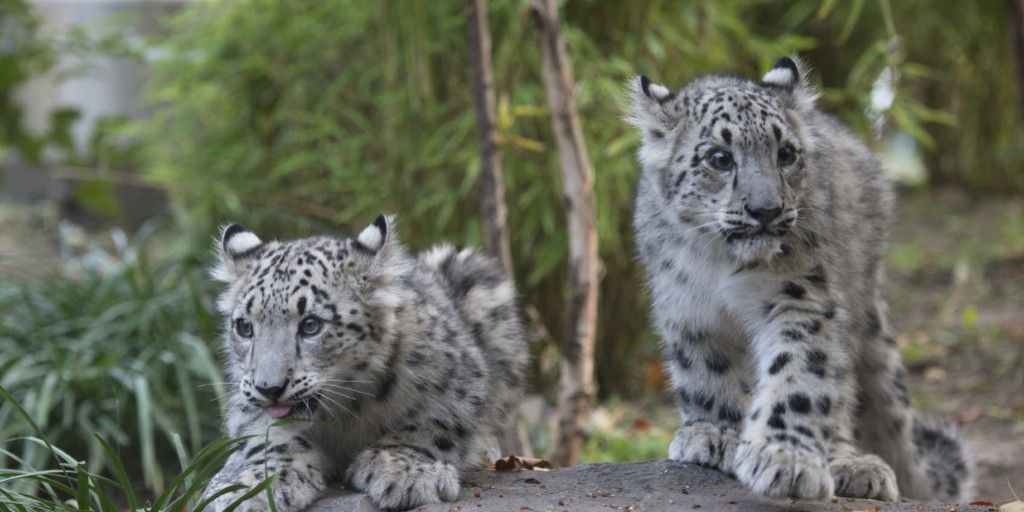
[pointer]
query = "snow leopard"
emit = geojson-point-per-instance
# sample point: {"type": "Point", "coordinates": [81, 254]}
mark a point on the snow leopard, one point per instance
{"type": "Point", "coordinates": [394, 373]}
{"type": "Point", "coordinates": [762, 224]}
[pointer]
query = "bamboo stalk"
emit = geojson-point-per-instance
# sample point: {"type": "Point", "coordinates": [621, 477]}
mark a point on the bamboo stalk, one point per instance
{"type": "Point", "coordinates": [492, 186]}
{"type": "Point", "coordinates": [576, 394]}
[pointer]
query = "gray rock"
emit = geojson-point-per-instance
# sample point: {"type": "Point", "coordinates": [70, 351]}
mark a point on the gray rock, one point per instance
{"type": "Point", "coordinates": [638, 486]}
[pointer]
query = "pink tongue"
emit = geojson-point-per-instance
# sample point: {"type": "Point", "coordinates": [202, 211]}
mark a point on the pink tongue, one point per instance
{"type": "Point", "coordinates": [279, 410]}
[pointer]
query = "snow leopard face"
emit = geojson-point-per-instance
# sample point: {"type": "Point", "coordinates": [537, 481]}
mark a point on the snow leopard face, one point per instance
{"type": "Point", "coordinates": [729, 156]}
{"type": "Point", "coordinates": [303, 324]}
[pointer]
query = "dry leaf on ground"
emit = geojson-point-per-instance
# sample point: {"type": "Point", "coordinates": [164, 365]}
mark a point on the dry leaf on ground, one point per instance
{"type": "Point", "coordinates": [514, 463]}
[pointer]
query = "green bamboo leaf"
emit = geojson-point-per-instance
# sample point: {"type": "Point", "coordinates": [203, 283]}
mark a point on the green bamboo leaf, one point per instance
{"type": "Point", "coordinates": [851, 20]}
{"type": "Point", "coordinates": [826, 9]}
{"type": "Point", "coordinates": [931, 115]}
{"type": "Point", "coordinates": [908, 123]}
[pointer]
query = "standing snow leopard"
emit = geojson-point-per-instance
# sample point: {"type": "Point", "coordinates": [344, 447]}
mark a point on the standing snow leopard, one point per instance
{"type": "Point", "coordinates": [408, 368]}
{"type": "Point", "coordinates": [762, 224]}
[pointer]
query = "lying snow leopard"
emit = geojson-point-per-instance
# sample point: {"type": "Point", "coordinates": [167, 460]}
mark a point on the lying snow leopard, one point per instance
{"type": "Point", "coordinates": [762, 224]}
{"type": "Point", "coordinates": [407, 367]}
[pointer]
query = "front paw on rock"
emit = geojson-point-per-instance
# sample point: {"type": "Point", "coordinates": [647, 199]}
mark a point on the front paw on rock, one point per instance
{"type": "Point", "coordinates": [402, 489]}
{"type": "Point", "coordinates": [705, 444]}
{"type": "Point", "coordinates": [865, 476]}
{"type": "Point", "coordinates": [777, 470]}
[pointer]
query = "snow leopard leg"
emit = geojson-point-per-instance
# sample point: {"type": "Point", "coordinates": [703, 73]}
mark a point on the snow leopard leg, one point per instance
{"type": "Point", "coordinates": [707, 374]}
{"type": "Point", "coordinates": [929, 460]}
{"type": "Point", "coordinates": [800, 405]}
{"type": "Point", "coordinates": [302, 470]}
{"type": "Point", "coordinates": [415, 466]}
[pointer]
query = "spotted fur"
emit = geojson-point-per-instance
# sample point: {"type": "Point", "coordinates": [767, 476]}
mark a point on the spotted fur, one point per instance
{"type": "Point", "coordinates": [407, 368]}
{"type": "Point", "coordinates": [762, 224]}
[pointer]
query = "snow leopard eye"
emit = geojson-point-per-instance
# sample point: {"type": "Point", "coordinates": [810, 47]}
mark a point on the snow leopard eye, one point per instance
{"type": "Point", "coordinates": [787, 155]}
{"type": "Point", "coordinates": [720, 159]}
{"type": "Point", "coordinates": [243, 328]}
{"type": "Point", "coordinates": [310, 326]}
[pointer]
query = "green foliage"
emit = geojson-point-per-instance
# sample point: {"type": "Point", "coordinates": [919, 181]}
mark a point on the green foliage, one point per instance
{"type": "Point", "coordinates": [70, 486]}
{"type": "Point", "coordinates": [24, 54]}
{"type": "Point", "coordinates": [965, 46]}
{"type": "Point", "coordinates": [624, 432]}
{"type": "Point", "coordinates": [355, 108]}
{"type": "Point", "coordinates": [110, 343]}
{"type": "Point", "coordinates": [625, 445]}
{"type": "Point", "coordinates": [309, 116]}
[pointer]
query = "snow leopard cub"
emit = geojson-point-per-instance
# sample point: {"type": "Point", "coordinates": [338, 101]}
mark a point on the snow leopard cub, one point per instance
{"type": "Point", "coordinates": [407, 367]}
{"type": "Point", "coordinates": [762, 224]}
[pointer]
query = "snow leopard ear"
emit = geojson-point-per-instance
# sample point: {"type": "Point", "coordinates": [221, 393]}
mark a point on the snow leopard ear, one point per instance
{"type": "Point", "coordinates": [653, 108]}
{"type": "Point", "coordinates": [789, 76]}
{"type": "Point", "coordinates": [237, 247]}
{"type": "Point", "coordinates": [375, 238]}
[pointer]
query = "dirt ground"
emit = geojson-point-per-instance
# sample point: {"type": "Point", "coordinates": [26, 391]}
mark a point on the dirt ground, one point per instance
{"type": "Point", "coordinates": [659, 485]}
{"type": "Point", "coordinates": [957, 298]}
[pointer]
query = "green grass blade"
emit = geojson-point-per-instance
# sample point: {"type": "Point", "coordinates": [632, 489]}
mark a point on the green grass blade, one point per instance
{"type": "Point", "coordinates": [16, 500]}
{"type": "Point", "coordinates": [197, 474]}
{"type": "Point", "coordinates": [231, 488]}
{"type": "Point", "coordinates": [99, 485]}
{"type": "Point", "coordinates": [82, 494]}
{"type": "Point", "coordinates": [150, 468]}
{"type": "Point", "coordinates": [179, 450]}
{"type": "Point", "coordinates": [32, 424]}
{"type": "Point", "coordinates": [188, 401]}
{"type": "Point", "coordinates": [255, 490]}
{"type": "Point", "coordinates": [122, 476]}
{"type": "Point", "coordinates": [104, 502]}
{"type": "Point", "coordinates": [33, 475]}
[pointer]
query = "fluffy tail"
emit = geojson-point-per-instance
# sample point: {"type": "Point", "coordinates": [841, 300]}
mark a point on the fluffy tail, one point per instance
{"type": "Point", "coordinates": [486, 300]}
{"type": "Point", "coordinates": [943, 455]}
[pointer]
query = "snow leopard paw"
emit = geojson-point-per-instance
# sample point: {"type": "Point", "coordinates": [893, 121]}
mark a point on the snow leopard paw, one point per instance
{"type": "Point", "coordinates": [778, 470]}
{"type": "Point", "coordinates": [292, 490]}
{"type": "Point", "coordinates": [864, 476]}
{"type": "Point", "coordinates": [395, 481]}
{"type": "Point", "coordinates": [705, 444]}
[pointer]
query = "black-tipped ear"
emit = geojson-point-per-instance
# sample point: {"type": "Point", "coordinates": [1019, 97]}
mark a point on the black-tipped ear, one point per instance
{"type": "Point", "coordinates": [653, 108]}
{"type": "Point", "coordinates": [238, 242]}
{"type": "Point", "coordinates": [374, 237]}
{"type": "Point", "coordinates": [645, 86]}
{"type": "Point", "coordinates": [656, 92]}
{"type": "Point", "coordinates": [784, 75]}
{"type": "Point", "coordinates": [237, 246]}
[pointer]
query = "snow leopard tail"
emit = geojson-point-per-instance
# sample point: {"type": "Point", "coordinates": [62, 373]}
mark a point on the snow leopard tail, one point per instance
{"type": "Point", "coordinates": [944, 458]}
{"type": "Point", "coordinates": [485, 298]}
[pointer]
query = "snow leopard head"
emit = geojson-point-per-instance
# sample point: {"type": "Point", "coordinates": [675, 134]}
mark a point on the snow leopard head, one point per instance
{"type": "Point", "coordinates": [304, 319]}
{"type": "Point", "coordinates": [727, 155]}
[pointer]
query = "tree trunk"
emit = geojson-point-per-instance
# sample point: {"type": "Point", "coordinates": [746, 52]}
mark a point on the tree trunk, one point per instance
{"type": "Point", "coordinates": [516, 439]}
{"type": "Point", "coordinates": [1015, 17]}
{"type": "Point", "coordinates": [577, 368]}
{"type": "Point", "coordinates": [492, 186]}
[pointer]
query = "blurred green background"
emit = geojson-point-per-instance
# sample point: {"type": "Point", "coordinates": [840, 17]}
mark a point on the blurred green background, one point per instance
{"type": "Point", "coordinates": [306, 116]}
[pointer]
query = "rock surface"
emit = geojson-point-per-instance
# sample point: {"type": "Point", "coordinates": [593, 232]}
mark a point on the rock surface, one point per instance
{"type": "Point", "coordinates": [637, 486]}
